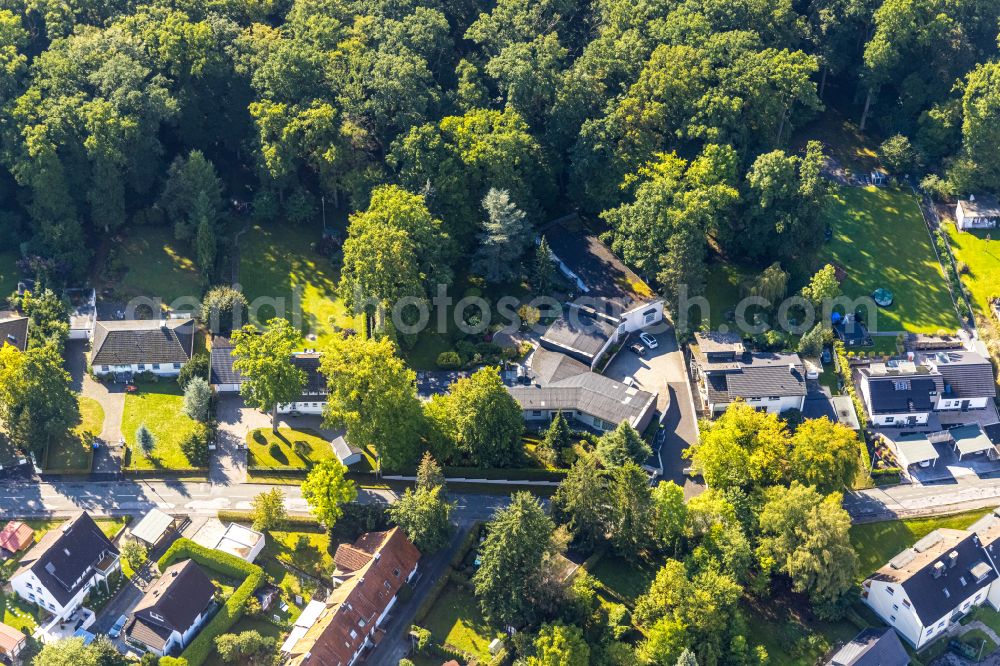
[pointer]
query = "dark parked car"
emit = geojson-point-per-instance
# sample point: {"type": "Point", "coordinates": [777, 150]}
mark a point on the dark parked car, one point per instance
{"type": "Point", "coordinates": [637, 349]}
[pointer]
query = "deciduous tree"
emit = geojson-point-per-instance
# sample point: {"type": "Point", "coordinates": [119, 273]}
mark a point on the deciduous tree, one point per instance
{"type": "Point", "coordinates": [268, 509]}
{"type": "Point", "coordinates": [825, 455]}
{"type": "Point", "coordinates": [373, 394]}
{"type": "Point", "coordinates": [327, 490]}
{"type": "Point", "coordinates": [37, 404]}
{"type": "Point", "coordinates": [560, 645]}
{"type": "Point", "coordinates": [805, 536]}
{"type": "Point", "coordinates": [265, 361]}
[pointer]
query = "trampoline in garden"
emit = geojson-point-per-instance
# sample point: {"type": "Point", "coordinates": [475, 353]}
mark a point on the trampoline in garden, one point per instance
{"type": "Point", "coordinates": [883, 297]}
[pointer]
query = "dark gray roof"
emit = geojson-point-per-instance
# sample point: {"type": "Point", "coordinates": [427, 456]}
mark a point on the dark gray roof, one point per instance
{"type": "Point", "coordinates": [549, 366]}
{"type": "Point", "coordinates": [590, 393]}
{"type": "Point", "coordinates": [315, 384]}
{"type": "Point", "coordinates": [966, 373]}
{"type": "Point", "coordinates": [64, 557]}
{"type": "Point", "coordinates": [758, 375]}
{"type": "Point", "coordinates": [928, 594]}
{"type": "Point", "coordinates": [764, 374]}
{"type": "Point", "coordinates": [142, 341]}
{"type": "Point", "coordinates": [607, 278]}
{"type": "Point", "coordinates": [578, 334]}
{"type": "Point", "coordinates": [993, 432]}
{"type": "Point", "coordinates": [872, 647]}
{"type": "Point", "coordinates": [223, 371]}
{"type": "Point", "coordinates": [901, 395]}
{"type": "Point", "coordinates": [984, 205]}
{"type": "Point", "coordinates": [172, 603]}
{"type": "Point", "coordinates": [13, 330]}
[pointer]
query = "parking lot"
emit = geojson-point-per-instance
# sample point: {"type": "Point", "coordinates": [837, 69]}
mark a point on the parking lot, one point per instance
{"type": "Point", "coordinates": [662, 371]}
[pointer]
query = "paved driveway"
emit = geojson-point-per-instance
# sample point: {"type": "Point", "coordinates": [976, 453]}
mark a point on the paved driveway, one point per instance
{"type": "Point", "coordinates": [663, 370]}
{"type": "Point", "coordinates": [110, 396]}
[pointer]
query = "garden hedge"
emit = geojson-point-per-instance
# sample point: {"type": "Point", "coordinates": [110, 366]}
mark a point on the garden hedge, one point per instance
{"type": "Point", "coordinates": [288, 524]}
{"type": "Point", "coordinates": [203, 645]}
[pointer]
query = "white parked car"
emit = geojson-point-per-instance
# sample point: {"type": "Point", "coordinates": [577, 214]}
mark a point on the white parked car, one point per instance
{"type": "Point", "coordinates": [649, 340]}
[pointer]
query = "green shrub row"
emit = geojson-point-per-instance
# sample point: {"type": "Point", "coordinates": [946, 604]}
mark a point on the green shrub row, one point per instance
{"type": "Point", "coordinates": [203, 645]}
{"type": "Point", "coordinates": [951, 273]}
{"type": "Point", "coordinates": [496, 473]}
{"type": "Point", "coordinates": [289, 524]}
{"type": "Point", "coordinates": [431, 596]}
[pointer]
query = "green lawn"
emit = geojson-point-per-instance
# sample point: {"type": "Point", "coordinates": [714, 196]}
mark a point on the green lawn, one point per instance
{"type": "Point", "coordinates": [157, 265]}
{"type": "Point", "coordinates": [18, 613]}
{"type": "Point", "coordinates": [457, 620]}
{"type": "Point", "coordinates": [308, 551]}
{"type": "Point", "coordinates": [624, 580]}
{"type": "Point", "coordinates": [287, 448]}
{"type": "Point", "coordinates": [722, 289]}
{"type": "Point", "coordinates": [275, 262]}
{"type": "Point", "coordinates": [877, 543]}
{"type": "Point", "coordinates": [880, 240]}
{"type": "Point", "coordinates": [75, 453]}
{"type": "Point", "coordinates": [158, 405]}
{"type": "Point", "coordinates": [8, 273]}
{"type": "Point", "coordinates": [791, 635]}
{"type": "Point", "coordinates": [983, 259]}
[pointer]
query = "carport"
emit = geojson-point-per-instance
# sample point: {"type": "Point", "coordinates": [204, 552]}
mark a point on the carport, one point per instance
{"type": "Point", "coordinates": [971, 439]}
{"type": "Point", "coordinates": [914, 449]}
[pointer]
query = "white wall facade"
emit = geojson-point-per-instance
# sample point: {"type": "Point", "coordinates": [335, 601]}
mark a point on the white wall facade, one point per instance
{"type": "Point", "coordinates": [305, 407]}
{"type": "Point", "coordinates": [160, 369]}
{"type": "Point", "coordinates": [973, 222]}
{"type": "Point", "coordinates": [944, 404]}
{"type": "Point", "coordinates": [226, 388]}
{"type": "Point", "coordinates": [890, 602]}
{"type": "Point", "coordinates": [900, 420]}
{"type": "Point", "coordinates": [28, 587]}
{"type": "Point", "coordinates": [770, 404]}
{"type": "Point", "coordinates": [639, 318]}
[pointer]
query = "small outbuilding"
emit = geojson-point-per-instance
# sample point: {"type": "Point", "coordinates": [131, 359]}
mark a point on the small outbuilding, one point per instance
{"type": "Point", "coordinates": [982, 212]}
{"type": "Point", "coordinates": [346, 453]}
{"type": "Point", "coordinates": [235, 539]}
{"type": "Point", "coordinates": [12, 642]}
{"type": "Point", "coordinates": [914, 449]}
{"type": "Point", "coordinates": [879, 177]}
{"type": "Point", "coordinates": [154, 527]}
{"type": "Point", "coordinates": [16, 536]}
{"type": "Point", "coordinates": [970, 439]}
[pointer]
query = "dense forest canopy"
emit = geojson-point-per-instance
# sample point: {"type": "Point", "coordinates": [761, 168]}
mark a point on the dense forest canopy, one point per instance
{"type": "Point", "coordinates": [674, 120]}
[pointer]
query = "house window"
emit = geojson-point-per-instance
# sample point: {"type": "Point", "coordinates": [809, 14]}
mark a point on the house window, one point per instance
{"type": "Point", "coordinates": [29, 586]}
{"type": "Point", "coordinates": [536, 412]}
{"type": "Point", "coordinates": [906, 602]}
{"type": "Point", "coordinates": [774, 397]}
{"type": "Point", "coordinates": [395, 572]}
{"type": "Point", "coordinates": [892, 618]}
{"type": "Point", "coordinates": [32, 596]}
{"type": "Point", "coordinates": [890, 419]}
{"type": "Point", "coordinates": [156, 366]}
{"type": "Point", "coordinates": [895, 607]}
{"type": "Point", "coordinates": [177, 366]}
{"type": "Point", "coordinates": [142, 366]}
{"type": "Point", "coordinates": [387, 586]}
{"type": "Point", "coordinates": [940, 624]}
{"type": "Point", "coordinates": [354, 634]}
{"type": "Point", "coordinates": [104, 368]}
{"type": "Point", "coordinates": [890, 590]}
{"type": "Point", "coordinates": [901, 384]}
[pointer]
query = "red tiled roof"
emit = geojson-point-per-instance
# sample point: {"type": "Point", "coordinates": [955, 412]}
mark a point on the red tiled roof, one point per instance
{"type": "Point", "coordinates": [348, 558]}
{"type": "Point", "coordinates": [10, 639]}
{"type": "Point", "coordinates": [16, 536]}
{"type": "Point", "coordinates": [354, 607]}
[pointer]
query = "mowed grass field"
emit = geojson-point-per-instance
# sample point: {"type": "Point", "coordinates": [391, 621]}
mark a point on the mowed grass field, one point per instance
{"type": "Point", "coordinates": [982, 256]}
{"type": "Point", "coordinates": [877, 543]}
{"type": "Point", "coordinates": [277, 262]}
{"type": "Point", "coordinates": [157, 266]}
{"type": "Point", "coordinates": [880, 240]}
{"type": "Point", "coordinates": [287, 448]}
{"type": "Point", "coordinates": [158, 405]}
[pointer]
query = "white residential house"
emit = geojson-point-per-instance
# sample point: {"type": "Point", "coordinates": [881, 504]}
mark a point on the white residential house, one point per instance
{"type": "Point", "coordinates": [725, 372]}
{"type": "Point", "coordinates": [314, 391]}
{"type": "Point", "coordinates": [982, 212]}
{"type": "Point", "coordinates": [125, 348]}
{"type": "Point", "coordinates": [904, 393]}
{"type": "Point", "coordinates": [68, 562]}
{"type": "Point", "coordinates": [172, 611]}
{"type": "Point", "coordinates": [932, 585]}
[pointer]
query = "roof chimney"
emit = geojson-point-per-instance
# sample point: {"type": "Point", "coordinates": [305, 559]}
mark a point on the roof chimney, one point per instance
{"type": "Point", "coordinates": [938, 569]}
{"type": "Point", "coordinates": [791, 368]}
{"type": "Point", "coordinates": [952, 558]}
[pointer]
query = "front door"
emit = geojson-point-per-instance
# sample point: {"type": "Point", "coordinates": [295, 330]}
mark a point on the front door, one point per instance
{"type": "Point", "coordinates": [965, 405]}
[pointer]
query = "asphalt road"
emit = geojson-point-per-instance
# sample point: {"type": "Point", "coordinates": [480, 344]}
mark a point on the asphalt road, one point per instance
{"type": "Point", "coordinates": [131, 497]}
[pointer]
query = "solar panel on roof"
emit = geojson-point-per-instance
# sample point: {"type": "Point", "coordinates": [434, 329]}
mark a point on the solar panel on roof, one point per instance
{"type": "Point", "coordinates": [902, 559]}
{"type": "Point", "coordinates": [928, 542]}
